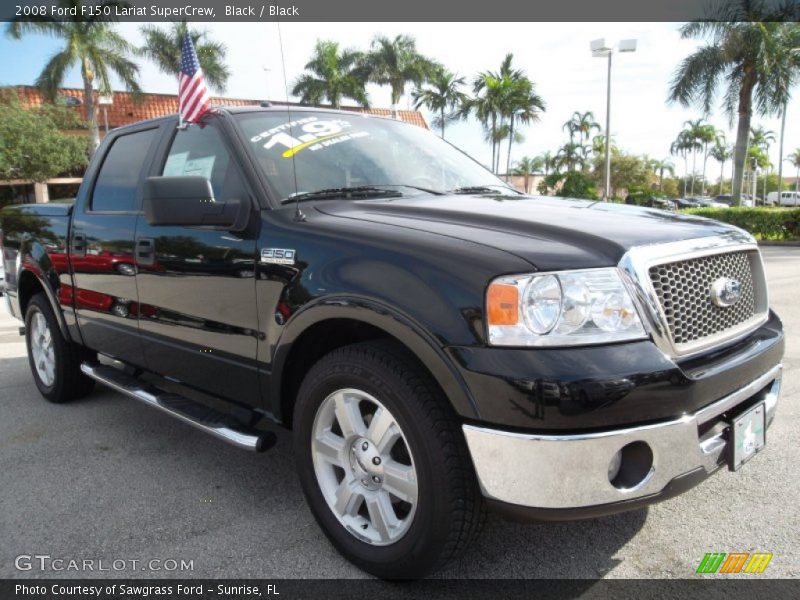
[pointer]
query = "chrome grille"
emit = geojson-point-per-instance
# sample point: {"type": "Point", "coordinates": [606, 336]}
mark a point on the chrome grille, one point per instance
{"type": "Point", "coordinates": [683, 291]}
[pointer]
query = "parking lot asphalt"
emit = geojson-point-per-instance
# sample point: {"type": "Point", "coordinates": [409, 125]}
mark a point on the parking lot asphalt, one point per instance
{"type": "Point", "coordinates": [108, 478]}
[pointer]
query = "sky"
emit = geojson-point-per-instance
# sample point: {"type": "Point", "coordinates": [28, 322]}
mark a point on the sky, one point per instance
{"type": "Point", "coordinates": [555, 56]}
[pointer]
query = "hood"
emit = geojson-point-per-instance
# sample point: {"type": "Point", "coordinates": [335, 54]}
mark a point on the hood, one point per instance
{"type": "Point", "coordinates": [550, 233]}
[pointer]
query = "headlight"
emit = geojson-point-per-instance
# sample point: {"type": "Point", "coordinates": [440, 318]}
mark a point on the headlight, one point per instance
{"type": "Point", "coordinates": [566, 308]}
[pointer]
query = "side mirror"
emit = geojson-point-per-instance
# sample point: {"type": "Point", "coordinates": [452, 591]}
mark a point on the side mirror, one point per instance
{"type": "Point", "coordinates": [189, 202]}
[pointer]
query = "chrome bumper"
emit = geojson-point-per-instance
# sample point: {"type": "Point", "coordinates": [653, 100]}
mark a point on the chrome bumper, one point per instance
{"type": "Point", "coordinates": [572, 471]}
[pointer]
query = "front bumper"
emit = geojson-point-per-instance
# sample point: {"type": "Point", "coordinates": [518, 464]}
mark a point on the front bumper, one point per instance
{"type": "Point", "coordinates": [563, 476]}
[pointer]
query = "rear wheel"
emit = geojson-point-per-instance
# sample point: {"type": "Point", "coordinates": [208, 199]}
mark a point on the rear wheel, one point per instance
{"type": "Point", "coordinates": [383, 462]}
{"type": "Point", "coordinates": [54, 361]}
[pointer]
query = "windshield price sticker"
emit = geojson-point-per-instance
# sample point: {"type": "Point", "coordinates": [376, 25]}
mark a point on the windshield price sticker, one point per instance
{"type": "Point", "coordinates": [315, 135]}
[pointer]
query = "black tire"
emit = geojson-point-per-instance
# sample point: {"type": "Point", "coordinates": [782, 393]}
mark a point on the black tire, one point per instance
{"type": "Point", "coordinates": [68, 382]}
{"type": "Point", "coordinates": [450, 509]}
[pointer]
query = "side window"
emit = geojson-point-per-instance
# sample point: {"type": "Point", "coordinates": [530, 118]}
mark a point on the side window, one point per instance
{"type": "Point", "coordinates": [201, 151]}
{"type": "Point", "coordinates": [117, 182]}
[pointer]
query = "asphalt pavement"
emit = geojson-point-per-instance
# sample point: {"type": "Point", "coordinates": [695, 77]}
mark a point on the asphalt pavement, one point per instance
{"type": "Point", "coordinates": [108, 479]}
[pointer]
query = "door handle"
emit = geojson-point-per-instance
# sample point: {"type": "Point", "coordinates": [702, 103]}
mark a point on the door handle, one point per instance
{"type": "Point", "coordinates": [78, 246]}
{"type": "Point", "coordinates": [145, 251]}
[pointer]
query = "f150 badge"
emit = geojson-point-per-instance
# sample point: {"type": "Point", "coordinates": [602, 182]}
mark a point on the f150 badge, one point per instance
{"type": "Point", "coordinates": [278, 256]}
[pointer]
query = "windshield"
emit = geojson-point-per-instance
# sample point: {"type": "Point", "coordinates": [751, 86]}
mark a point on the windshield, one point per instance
{"type": "Point", "coordinates": [334, 151]}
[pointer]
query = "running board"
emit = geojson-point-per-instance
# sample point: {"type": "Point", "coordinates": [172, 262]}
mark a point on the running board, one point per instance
{"type": "Point", "coordinates": [202, 417]}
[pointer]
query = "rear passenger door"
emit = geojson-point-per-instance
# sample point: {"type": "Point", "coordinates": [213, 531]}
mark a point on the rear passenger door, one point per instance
{"type": "Point", "coordinates": [101, 244]}
{"type": "Point", "coordinates": [196, 285]}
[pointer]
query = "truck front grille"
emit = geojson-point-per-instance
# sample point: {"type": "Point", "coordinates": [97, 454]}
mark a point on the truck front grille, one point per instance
{"type": "Point", "coordinates": [683, 289]}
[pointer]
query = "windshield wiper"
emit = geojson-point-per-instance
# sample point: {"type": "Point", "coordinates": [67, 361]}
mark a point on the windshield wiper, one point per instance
{"type": "Point", "coordinates": [362, 191]}
{"type": "Point", "coordinates": [483, 189]}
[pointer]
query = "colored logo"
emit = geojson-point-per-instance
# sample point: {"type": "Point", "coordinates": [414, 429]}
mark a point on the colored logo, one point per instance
{"type": "Point", "coordinates": [735, 562]}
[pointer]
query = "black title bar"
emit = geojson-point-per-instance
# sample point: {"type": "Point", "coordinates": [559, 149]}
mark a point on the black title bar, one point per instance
{"type": "Point", "coordinates": [372, 10]}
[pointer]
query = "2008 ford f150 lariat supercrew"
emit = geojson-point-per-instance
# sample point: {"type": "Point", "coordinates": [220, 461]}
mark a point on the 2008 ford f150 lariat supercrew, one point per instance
{"type": "Point", "coordinates": [436, 341]}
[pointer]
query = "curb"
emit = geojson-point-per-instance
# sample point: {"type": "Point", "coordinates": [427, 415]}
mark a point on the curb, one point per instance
{"type": "Point", "coordinates": [795, 243]}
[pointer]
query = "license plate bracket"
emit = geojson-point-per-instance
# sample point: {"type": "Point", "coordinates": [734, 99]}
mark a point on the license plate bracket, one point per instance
{"type": "Point", "coordinates": [747, 436]}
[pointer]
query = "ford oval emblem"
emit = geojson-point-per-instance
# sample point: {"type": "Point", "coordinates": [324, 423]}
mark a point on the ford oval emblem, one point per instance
{"type": "Point", "coordinates": [725, 292]}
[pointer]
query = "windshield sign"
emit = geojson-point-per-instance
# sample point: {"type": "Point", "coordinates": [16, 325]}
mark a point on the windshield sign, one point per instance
{"type": "Point", "coordinates": [332, 151]}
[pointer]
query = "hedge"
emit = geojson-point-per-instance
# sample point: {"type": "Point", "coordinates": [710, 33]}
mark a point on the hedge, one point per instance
{"type": "Point", "coordinates": [763, 223]}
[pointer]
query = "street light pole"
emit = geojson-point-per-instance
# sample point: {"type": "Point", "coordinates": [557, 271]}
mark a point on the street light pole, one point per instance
{"type": "Point", "coordinates": [600, 49]}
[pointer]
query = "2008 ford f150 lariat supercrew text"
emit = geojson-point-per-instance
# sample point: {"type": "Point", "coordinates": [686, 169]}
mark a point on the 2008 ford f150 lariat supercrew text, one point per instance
{"type": "Point", "coordinates": [437, 343]}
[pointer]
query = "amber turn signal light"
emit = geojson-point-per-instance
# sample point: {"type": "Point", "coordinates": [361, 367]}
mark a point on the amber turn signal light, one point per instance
{"type": "Point", "coordinates": [503, 304]}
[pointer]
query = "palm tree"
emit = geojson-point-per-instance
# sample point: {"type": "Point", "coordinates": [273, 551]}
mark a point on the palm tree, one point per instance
{"type": "Point", "coordinates": [333, 74]}
{"type": "Point", "coordinates": [91, 43]}
{"type": "Point", "coordinates": [659, 166]}
{"type": "Point", "coordinates": [722, 153]}
{"type": "Point", "coordinates": [761, 138]}
{"type": "Point", "coordinates": [706, 135]}
{"type": "Point", "coordinates": [794, 160]}
{"type": "Point", "coordinates": [486, 105]}
{"type": "Point", "coordinates": [752, 51]}
{"type": "Point", "coordinates": [682, 146]}
{"type": "Point", "coordinates": [582, 124]}
{"type": "Point", "coordinates": [548, 162]}
{"type": "Point", "coordinates": [163, 47]}
{"type": "Point", "coordinates": [571, 154]}
{"type": "Point", "coordinates": [396, 62]}
{"type": "Point", "coordinates": [527, 166]}
{"type": "Point", "coordinates": [522, 104]}
{"type": "Point", "coordinates": [443, 97]}
{"type": "Point", "coordinates": [699, 133]}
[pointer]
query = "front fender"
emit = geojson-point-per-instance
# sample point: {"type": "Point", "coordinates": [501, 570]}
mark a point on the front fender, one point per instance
{"type": "Point", "coordinates": [401, 327]}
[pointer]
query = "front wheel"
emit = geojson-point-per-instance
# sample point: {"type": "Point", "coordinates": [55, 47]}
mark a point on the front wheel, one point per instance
{"type": "Point", "coordinates": [383, 462]}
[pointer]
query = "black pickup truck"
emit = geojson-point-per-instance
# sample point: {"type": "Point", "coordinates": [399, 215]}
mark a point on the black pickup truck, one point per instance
{"type": "Point", "coordinates": [437, 342]}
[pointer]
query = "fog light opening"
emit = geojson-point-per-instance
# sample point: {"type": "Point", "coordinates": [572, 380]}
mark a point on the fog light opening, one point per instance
{"type": "Point", "coordinates": [614, 464]}
{"type": "Point", "coordinates": [631, 466]}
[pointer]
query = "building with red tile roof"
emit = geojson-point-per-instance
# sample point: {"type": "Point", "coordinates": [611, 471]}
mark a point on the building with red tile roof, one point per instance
{"type": "Point", "coordinates": [124, 109]}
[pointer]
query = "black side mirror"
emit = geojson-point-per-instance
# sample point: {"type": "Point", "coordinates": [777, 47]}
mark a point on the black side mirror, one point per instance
{"type": "Point", "coordinates": [188, 201]}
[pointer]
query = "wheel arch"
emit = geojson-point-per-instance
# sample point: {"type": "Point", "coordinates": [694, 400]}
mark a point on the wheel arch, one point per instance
{"type": "Point", "coordinates": [31, 281]}
{"type": "Point", "coordinates": [335, 323]}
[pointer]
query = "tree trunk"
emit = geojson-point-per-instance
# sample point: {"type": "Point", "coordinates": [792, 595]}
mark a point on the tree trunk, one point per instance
{"type": "Point", "coordinates": [494, 139]}
{"type": "Point", "coordinates": [510, 141]}
{"type": "Point", "coordinates": [694, 169]}
{"type": "Point", "coordinates": [721, 175]}
{"type": "Point", "coordinates": [742, 134]}
{"type": "Point", "coordinates": [442, 122]}
{"type": "Point", "coordinates": [686, 173]}
{"type": "Point", "coordinates": [780, 151]}
{"type": "Point", "coordinates": [88, 101]}
{"type": "Point", "coordinates": [705, 161]}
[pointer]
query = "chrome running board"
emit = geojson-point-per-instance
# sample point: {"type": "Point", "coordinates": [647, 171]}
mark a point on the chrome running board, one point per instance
{"type": "Point", "coordinates": [203, 418]}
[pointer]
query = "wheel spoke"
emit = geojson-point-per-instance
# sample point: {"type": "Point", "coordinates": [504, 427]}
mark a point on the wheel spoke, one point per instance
{"type": "Point", "coordinates": [400, 481]}
{"type": "Point", "coordinates": [348, 415]}
{"type": "Point", "coordinates": [383, 431]}
{"type": "Point", "coordinates": [348, 498]}
{"type": "Point", "coordinates": [381, 514]}
{"type": "Point", "coordinates": [329, 446]}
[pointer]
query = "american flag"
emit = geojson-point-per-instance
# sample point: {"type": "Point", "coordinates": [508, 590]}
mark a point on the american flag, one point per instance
{"type": "Point", "coordinates": [193, 98]}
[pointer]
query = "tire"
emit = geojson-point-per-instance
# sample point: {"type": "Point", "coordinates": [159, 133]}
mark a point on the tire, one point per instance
{"type": "Point", "coordinates": [433, 522]}
{"type": "Point", "coordinates": [54, 361]}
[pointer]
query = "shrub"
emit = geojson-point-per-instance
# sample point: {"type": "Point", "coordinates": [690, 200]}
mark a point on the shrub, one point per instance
{"type": "Point", "coordinates": [763, 223]}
